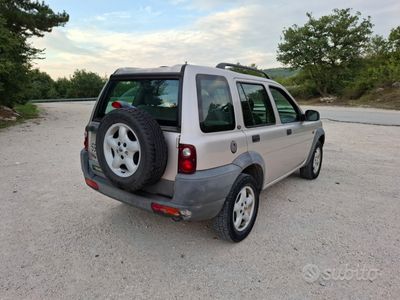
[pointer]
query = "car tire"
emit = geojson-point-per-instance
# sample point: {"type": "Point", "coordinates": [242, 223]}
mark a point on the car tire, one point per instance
{"type": "Point", "coordinates": [312, 169]}
{"type": "Point", "coordinates": [227, 223]}
{"type": "Point", "coordinates": [142, 149]}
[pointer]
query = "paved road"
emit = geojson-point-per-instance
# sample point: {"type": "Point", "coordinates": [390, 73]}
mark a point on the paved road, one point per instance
{"type": "Point", "coordinates": [358, 115]}
{"type": "Point", "coordinates": [61, 240]}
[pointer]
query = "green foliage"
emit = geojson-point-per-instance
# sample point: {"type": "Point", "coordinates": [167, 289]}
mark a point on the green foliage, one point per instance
{"type": "Point", "coordinates": [13, 65]}
{"type": "Point", "coordinates": [25, 111]}
{"type": "Point", "coordinates": [380, 67]}
{"type": "Point", "coordinates": [81, 84]}
{"type": "Point", "coordinates": [30, 18]}
{"type": "Point", "coordinates": [299, 85]}
{"type": "Point", "coordinates": [84, 84]}
{"type": "Point", "coordinates": [280, 73]}
{"type": "Point", "coordinates": [41, 86]}
{"type": "Point", "coordinates": [337, 55]}
{"type": "Point", "coordinates": [62, 86]}
{"type": "Point", "coordinates": [19, 20]}
{"type": "Point", "coordinates": [394, 39]}
{"type": "Point", "coordinates": [328, 49]}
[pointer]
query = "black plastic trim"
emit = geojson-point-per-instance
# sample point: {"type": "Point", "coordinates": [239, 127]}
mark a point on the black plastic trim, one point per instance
{"type": "Point", "coordinates": [224, 65]}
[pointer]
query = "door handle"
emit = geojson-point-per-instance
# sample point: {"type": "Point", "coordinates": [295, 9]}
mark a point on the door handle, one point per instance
{"type": "Point", "coordinates": [289, 131]}
{"type": "Point", "coordinates": [255, 138]}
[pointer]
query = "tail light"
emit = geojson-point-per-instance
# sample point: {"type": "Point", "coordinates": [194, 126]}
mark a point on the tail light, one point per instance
{"type": "Point", "coordinates": [91, 183]}
{"type": "Point", "coordinates": [187, 159]}
{"type": "Point", "coordinates": [165, 210]}
{"type": "Point", "coordinates": [116, 104]}
{"type": "Point", "coordinates": [86, 141]}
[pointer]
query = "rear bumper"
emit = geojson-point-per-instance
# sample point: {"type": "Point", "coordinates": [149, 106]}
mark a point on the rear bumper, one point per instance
{"type": "Point", "coordinates": [198, 196]}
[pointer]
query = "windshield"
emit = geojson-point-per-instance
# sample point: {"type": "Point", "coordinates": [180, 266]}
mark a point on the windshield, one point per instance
{"type": "Point", "coordinates": [158, 97]}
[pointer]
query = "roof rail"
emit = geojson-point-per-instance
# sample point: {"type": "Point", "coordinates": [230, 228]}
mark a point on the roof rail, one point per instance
{"type": "Point", "coordinates": [224, 65]}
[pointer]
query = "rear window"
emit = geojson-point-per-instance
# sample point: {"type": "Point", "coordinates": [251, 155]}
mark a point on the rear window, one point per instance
{"type": "Point", "coordinates": [158, 97]}
{"type": "Point", "coordinates": [215, 104]}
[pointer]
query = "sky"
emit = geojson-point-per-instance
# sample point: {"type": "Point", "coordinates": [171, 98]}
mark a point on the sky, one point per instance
{"type": "Point", "coordinates": [104, 35]}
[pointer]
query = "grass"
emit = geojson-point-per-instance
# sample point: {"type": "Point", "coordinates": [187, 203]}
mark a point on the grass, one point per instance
{"type": "Point", "coordinates": [389, 98]}
{"type": "Point", "coordinates": [27, 111]}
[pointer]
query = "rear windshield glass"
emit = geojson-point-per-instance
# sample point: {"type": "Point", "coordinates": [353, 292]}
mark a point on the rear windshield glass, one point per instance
{"type": "Point", "coordinates": [158, 97]}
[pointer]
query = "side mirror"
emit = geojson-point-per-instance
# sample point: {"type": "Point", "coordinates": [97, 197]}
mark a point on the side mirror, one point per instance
{"type": "Point", "coordinates": [311, 115]}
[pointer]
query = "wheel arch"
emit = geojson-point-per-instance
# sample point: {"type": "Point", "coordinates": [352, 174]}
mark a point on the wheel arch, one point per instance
{"type": "Point", "coordinates": [322, 139]}
{"type": "Point", "coordinates": [319, 136]}
{"type": "Point", "coordinates": [252, 164]}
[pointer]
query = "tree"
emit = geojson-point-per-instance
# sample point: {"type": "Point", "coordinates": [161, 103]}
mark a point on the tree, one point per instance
{"type": "Point", "coordinates": [41, 86]}
{"type": "Point", "coordinates": [13, 67]}
{"type": "Point", "coordinates": [19, 20]}
{"type": "Point", "coordinates": [327, 49]}
{"type": "Point", "coordinates": [380, 66]}
{"type": "Point", "coordinates": [85, 84]}
{"type": "Point", "coordinates": [30, 18]}
{"type": "Point", "coordinates": [62, 85]}
{"type": "Point", "coordinates": [394, 39]}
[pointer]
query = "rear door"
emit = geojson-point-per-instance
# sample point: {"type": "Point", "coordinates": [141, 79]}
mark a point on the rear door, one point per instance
{"type": "Point", "coordinates": [263, 135]}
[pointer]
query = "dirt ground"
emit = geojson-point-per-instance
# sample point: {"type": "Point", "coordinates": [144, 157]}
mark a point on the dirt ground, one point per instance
{"type": "Point", "coordinates": [337, 237]}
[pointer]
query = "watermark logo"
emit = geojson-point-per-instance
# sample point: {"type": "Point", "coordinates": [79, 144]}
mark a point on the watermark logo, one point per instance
{"type": "Point", "coordinates": [312, 273]}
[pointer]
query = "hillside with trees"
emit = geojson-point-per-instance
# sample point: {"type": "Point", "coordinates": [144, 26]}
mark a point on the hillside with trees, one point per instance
{"type": "Point", "coordinates": [337, 55]}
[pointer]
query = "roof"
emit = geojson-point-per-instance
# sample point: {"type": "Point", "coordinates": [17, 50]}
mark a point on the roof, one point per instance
{"type": "Point", "coordinates": [163, 69]}
{"type": "Point", "coordinates": [176, 69]}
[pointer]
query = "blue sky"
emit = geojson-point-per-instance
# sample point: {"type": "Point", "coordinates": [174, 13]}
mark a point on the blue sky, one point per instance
{"type": "Point", "coordinates": [104, 35]}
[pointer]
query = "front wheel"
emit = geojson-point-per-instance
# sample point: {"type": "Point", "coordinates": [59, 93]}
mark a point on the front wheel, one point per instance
{"type": "Point", "coordinates": [312, 169]}
{"type": "Point", "coordinates": [236, 219]}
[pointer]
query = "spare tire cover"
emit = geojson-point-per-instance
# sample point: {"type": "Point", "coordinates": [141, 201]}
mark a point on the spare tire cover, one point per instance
{"type": "Point", "coordinates": [131, 148]}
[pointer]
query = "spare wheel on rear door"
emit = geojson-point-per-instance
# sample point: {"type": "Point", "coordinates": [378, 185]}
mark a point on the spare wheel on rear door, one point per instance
{"type": "Point", "coordinates": [131, 148]}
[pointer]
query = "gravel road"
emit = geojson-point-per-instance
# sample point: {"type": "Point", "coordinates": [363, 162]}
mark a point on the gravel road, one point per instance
{"type": "Point", "coordinates": [61, 240]}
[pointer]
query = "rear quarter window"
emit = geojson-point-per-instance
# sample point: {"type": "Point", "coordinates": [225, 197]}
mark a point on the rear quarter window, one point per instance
{"type": "Point", "coordinates": [215, 103]}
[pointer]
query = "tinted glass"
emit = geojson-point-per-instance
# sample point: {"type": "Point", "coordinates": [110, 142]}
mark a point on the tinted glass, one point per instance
{"type": "Point", "coordinates": [215, 104]}
{"type": "Point", "coordinates": [256, 106]}
{"type": "Point", "coordinates": [287, 112]}
{"type": "Point", "coordinates": [157, 97]}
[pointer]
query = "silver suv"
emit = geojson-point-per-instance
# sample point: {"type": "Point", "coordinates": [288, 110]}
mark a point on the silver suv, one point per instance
{"type": "Point", "coordinates": [195, 143]}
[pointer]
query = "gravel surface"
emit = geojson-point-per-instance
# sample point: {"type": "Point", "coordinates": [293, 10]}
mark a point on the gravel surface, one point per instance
{"type": "Point", "coordinates": [60, 239]}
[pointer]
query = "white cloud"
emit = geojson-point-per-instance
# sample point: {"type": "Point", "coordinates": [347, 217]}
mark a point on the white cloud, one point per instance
{"type": "Point", "coordinates": [246, 33]}
{"type": "Point", "coordinates": [215, 38]}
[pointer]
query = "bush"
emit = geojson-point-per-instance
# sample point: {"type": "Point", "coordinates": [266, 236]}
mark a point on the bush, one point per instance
{"type": "Point", "coordinates": [299, 86]}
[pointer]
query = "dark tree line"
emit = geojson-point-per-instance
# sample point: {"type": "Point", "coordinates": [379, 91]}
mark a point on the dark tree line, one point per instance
{"type": "Point", "coordinates": [20, 20]}
{"type": "Point", "coordinates": [81, 84]}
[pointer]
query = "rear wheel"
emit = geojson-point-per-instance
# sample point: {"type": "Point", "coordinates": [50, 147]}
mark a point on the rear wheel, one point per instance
{"type": "Point", "coordinates": [312, 169]}
{"type": "Point", "coordinates": [236, 219]}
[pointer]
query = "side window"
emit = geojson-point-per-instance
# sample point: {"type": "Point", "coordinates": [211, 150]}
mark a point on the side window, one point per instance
{"type": "Point", "coordinates": [256, 106]}
{"type": "Point", "coordinates": [286, 109]}
{"type": "Point", "coordinates": [215, 103]}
